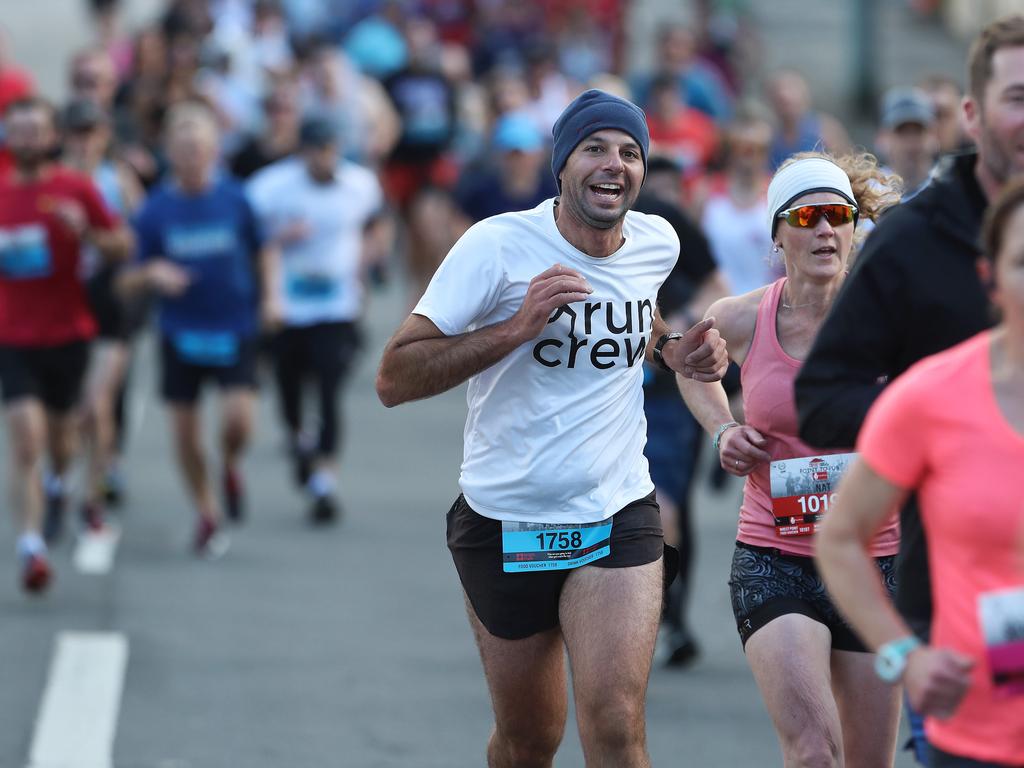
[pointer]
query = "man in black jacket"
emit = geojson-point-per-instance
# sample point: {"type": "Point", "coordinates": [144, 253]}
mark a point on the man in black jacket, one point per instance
{"type": "Point", "coordinates": [915, 290]}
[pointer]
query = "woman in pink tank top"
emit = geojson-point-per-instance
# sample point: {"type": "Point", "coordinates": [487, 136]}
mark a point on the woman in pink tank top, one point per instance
{"type": "Point", "coordinates": [814, 673]}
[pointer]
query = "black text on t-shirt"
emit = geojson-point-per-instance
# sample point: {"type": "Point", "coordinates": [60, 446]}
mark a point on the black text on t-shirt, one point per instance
{"type": "Point", "coordinates": [602, 333]}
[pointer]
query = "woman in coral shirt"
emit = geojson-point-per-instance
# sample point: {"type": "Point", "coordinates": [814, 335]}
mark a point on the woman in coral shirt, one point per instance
{"type": "Point", "coordinates": [951, 429]}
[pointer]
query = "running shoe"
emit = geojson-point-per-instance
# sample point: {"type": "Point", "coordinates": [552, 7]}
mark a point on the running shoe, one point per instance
{"type": "Point", "coordinates": [53, 523]}
{"type": "Point", "coordinates": [36, 573]}
{"type": "Point", "coordinates": [234, 495]}
{"type": "Point", "coordinates": [210, 542]}
{"type": "Point", "coordinates": [325, 510]}
{"type": "Point", "coordinates": [93, 517]}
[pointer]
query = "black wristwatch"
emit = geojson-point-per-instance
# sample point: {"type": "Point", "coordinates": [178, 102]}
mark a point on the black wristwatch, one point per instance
{"type": "Point", "coordinates": [656, 354]}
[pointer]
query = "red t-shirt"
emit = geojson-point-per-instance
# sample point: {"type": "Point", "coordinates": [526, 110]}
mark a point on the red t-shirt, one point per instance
{"type": "Point", "coordinates": [42, 299]}
{"type": "Point", "coordinates": [690, 138]}
{"type": "Point", "coordinates": [939, 430]}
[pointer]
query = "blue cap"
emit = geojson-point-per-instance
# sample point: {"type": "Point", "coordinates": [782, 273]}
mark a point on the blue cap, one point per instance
{"type": "Point", "coordinates": [516, 132]}
{"type": "Point", "coordinates": [594, 111]}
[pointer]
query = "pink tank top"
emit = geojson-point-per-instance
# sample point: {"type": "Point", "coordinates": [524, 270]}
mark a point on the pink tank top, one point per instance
{"type": "Point", "coordinates": [767, 377]}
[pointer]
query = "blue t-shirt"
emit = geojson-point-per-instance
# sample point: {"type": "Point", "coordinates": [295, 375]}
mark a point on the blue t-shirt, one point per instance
{"type": "Point", "coordinates": [215, 237]}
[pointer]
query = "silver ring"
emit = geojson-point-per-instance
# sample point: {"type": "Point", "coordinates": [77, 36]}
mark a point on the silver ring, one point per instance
{"type": "Point", "coordinates": [737, 462]}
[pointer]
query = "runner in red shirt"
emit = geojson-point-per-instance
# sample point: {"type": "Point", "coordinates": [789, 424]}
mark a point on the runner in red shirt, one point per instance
{"type": "Point", "coordinates": [47, 213]}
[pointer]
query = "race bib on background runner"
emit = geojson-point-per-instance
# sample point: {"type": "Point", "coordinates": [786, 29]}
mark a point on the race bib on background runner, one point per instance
{"type": "Point", "coordinates": [1002, 626]}
{"type": "Point", "coordinates": [312, 285]}
{"type": "Point", "coordinates": [217, 349]}
{"type": "Point", "coordinates": [803, 490]}
{"type": "Point", "coordinates": [552, 546]}
{"type": "Point", "coordinates": [25, 253]}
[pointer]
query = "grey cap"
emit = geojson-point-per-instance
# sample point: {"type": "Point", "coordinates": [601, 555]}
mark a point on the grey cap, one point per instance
{"type": "Point", "coordinates": [906, 105]}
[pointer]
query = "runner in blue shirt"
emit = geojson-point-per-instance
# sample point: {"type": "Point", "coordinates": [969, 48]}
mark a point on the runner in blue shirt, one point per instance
{"type": "Point", "coordinates": [200, 249]}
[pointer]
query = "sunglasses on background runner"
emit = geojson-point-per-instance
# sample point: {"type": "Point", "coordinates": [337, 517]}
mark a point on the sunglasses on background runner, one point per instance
{"type": "Point", "coordinates": [807, 216]}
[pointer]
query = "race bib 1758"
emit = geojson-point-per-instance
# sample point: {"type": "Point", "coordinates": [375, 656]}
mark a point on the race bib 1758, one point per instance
{"type": "Point", "coordinates": [553, 546]}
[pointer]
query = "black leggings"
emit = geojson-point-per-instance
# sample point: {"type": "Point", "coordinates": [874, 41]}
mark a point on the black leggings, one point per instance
{"type": "Point", "coordinates": [323, 352]}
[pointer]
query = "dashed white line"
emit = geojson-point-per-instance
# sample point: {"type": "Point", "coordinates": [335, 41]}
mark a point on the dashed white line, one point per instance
{"type": "Point", "coordinates": [78, 715]}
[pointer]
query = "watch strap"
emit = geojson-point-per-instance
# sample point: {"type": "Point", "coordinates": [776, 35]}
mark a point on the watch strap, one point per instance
{"type": "Point", "coordinates": [664, 339]}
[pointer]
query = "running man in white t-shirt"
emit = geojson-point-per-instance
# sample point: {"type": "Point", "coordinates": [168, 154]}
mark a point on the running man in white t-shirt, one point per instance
{"type": "Point", "coordinates": [549, 314]}
{"type": "Point", "coordinates": [324, 215]}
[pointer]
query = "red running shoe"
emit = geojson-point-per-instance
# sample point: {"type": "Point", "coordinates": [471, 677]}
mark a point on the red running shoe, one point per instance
{"type": "Point", "coordinates": [93, 517]}
{"type": "Point", "coordinates": [36, 573]}
{"type": "Point", "coordinates": [210, 542]}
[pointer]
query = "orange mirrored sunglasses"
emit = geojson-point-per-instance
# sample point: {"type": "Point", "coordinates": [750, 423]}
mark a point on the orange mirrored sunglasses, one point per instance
{"type": "Point", "coordinates": [806, 216]}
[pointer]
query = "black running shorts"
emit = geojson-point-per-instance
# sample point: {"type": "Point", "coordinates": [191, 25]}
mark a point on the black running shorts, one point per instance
{"type": "Point", "coordinates": [181, 380]}
{"type": "Point", "coordinates": [53, 375]}
{"type": "Point", "coordinates": [514, 606]}
{"type": "Point", "coordinates": [766, 583]}
{"type": "Point", "coordinates": [117, 318]}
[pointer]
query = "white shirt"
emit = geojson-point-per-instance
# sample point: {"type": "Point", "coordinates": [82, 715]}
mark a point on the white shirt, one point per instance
{"type": "Point", "coordinates": [556, 430]}
{"type": "Point", "coordinates": [319, 276]}
{"type": "Point", "coordinates": [740, 243]}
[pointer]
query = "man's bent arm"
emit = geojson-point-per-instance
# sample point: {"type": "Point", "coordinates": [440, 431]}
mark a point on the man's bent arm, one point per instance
{"type": "Point", "coordinates": [420, 361]}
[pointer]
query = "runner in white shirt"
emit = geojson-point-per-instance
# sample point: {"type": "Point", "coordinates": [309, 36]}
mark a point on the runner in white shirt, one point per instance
{"type": "Point", "coordinates": [549, 314]}
{"type": "Point", "coordinates": [323, 214]}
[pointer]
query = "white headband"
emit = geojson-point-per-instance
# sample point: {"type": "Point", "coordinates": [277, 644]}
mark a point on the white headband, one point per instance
{"type": "Point", "coordinates": [812, 174]}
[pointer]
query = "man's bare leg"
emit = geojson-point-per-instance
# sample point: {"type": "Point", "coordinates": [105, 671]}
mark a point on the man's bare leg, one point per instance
{"type": "Point", "coordinates": [610, 621]}
{"type": "Point", "coordinates": [527, 682]}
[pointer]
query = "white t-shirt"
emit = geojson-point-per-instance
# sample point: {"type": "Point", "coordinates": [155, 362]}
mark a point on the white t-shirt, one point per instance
{"type": "Point", "coordinates": [740, 243]}
{"type": "Point", "coordinates": [556, 430]}
{"type": "Point", "coordinates": [319, 276]}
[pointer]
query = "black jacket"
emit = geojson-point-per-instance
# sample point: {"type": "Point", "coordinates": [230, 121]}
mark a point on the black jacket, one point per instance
{"type": "Point", "coordinates": [913, 291]}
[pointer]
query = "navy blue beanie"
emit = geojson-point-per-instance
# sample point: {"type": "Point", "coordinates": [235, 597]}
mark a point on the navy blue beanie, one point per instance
{"type": "Point", "coordinates": [593, 111]}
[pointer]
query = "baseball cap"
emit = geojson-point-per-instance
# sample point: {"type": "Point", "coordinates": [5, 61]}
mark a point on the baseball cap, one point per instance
{"type": "Point", "coordinates": [516, 132]}
{"type": "Point", "coordinates": [317, 132]}
{"type": "Point", "coordinates": [906, 105]}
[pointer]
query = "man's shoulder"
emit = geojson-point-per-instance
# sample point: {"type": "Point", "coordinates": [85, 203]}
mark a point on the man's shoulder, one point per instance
{"type": "Point", "coordinates": [157, 199]}
{"type": "Point", "coordinates": [356, 175]}
{"type": "Point", "coordinates": [517, 221]}
{"type": "Point", "coordinates": [901, 235]}
{"type": "Point", "coordinates": [277, 173]}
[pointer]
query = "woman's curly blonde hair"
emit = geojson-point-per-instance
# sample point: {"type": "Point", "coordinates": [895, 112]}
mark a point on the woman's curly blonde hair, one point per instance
{"type": "Point", "coordinates": [874, 190]}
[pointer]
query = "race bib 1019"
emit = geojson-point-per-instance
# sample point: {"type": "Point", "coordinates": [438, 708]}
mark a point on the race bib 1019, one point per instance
{"type": "Point", "coordinates": [803, 490]}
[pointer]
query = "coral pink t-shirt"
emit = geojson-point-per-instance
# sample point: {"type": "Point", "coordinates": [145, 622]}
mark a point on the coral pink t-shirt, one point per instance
{"type": "Point", "coordinates": [938, 429]}
{"type": "Point", "coordinates": [767, 377]}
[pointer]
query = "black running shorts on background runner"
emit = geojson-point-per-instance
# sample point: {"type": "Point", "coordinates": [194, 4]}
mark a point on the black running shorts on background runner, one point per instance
{"type": "Point", "coordinates": [117, 318]}
{"type": "Point", "coordinates": [766, 583]}
{"type": "Point", "coordinates": [181, 380]}
{"type": "Point", "coordinates": [514, 606]}
{"type": "Point", "coordinates": [53, 375]}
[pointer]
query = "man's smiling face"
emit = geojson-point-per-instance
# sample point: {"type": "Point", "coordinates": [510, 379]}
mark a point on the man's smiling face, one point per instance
{"type": "Point", "coordinates": [602, 178]}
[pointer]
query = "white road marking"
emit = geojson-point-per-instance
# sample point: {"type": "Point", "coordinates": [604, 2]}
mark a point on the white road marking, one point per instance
{"type": "Point", "coordinates": [95, 550]}
{"type": "Point", "coordinates": [78, 715]}
{"type": "Point", "coordinates": [141, 386]}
